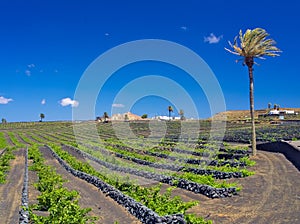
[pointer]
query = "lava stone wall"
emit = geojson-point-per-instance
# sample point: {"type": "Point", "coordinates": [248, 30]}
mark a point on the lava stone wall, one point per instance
{"type": "Point", "coordinates": [290, 152]}
{"type": "Point", "coordinates": [206, 190]}
{"type": "Point", "coordinates": [23, 213]}
{"type": "Point", "coordinates": [140, 211]}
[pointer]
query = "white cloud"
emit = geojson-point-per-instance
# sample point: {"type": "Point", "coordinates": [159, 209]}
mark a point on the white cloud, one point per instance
{"type": "Point", "coordinates": [31, 65]}
{"type": "Point", "coordinates": [106, 34]}
{"type": "Point", "coordinates": [4, 100]}
{"type": "Point", "coordinates": [28, 72]}
{"type": "Point", "coordinates": [43, 102]}
{"type": "Point", "coordinates": [213, 39]}
{"type": "Point", "coordinates": [119, 105]}
{"type": "Point", "coordinates": [183, 28]}
{"type": "Point", "coordinates": [68, 101]}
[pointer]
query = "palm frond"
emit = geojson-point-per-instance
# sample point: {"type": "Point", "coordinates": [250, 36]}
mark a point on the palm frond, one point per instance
{"type": "Point", "coordinates": [254, 43]}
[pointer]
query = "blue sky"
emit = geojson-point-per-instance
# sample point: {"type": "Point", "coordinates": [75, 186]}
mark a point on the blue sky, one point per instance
{"type": "Point", "coordinates": [47, 45]}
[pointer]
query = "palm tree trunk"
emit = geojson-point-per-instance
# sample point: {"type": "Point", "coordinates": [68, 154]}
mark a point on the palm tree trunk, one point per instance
{"type": "Point", "coordinates": [253, 143]}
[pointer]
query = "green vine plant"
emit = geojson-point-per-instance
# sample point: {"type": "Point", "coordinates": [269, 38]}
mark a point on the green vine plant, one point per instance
{"type": "Point", "coordinates": [161, 203]}
{"type": "Point", "coordinates": [58, 201]}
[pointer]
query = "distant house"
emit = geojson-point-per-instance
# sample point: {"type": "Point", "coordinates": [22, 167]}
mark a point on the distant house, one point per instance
{"type": "Point", "coordinates": [165, 118]}
{"type": "Point", "coordinates": [274, 112]}
{"type": "Point", "coordinates": [126, 116]}
{"type": "Point", "coordinates": [278, 112]}
{"type": "Point", "coordinates": [289, 111]}
{"type": "Point", "coordinates": [162, 118]}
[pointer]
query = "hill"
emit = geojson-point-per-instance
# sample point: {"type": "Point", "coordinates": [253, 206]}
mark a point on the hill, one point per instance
{"type": "Point", "coordinates": [243, 115]}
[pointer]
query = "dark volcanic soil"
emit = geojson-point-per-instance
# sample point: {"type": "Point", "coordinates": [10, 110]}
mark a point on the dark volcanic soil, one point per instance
{"type": "Point", "coordinates": [102, 206]}
{"type": "Point", "coordinates": [11, 191]}
{"type": "Point", "coordinates": [272, 195]}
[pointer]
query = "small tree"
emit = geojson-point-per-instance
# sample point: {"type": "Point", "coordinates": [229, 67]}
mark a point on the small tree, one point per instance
{"type": "Point", "coordinates": [126, 118]}
{"type": "Point", "coordinates": [181, 113]}
{"type": "Point", "coordinates": [3, 121]}
{"type": "Point", "coordinates": [105, 116]}
{"type": "Point", "coordinates": [42, 116]}
{"type": "Point", "coordinates": [144, 116]}
{"type": "Point", "coordinates": [170, 109]}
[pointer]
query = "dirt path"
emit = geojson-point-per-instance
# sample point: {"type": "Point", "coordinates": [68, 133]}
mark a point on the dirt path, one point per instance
{"type": "Point", "coordinates": [18, 137]}
{"type": "Point", "coordinates": [102, 206]}
{"type": "Point", "coordinates": [8, 140]}
{"type": "Point", "coordinates": [11, 191]}
{"type": "Point", "coordinates": [272, 195]}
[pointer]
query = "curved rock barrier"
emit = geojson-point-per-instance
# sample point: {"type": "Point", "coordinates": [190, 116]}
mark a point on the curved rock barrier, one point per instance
{"type": "Point", "coordinates": [235, 151]}
{"type": "Point", "coordinates": [206, 190]}
{"type": "Point", "coordinates": [227, 156]}
{"type": "Point", "coordinates": [227, 162]}
{"type": "Point", "coordinates": [289, 151]}
{"type": "Point", "coordinates": [165, 156]}
{"type": "Point", "coordinates": [216, 174]}
{"type": "Point", "coordinates": [135, 208]}
{"type": "Point", "coordinates": [23, 213]}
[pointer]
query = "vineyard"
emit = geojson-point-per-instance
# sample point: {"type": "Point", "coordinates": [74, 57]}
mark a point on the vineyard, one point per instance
{"type": "Point", "coordinates": [108, 176]}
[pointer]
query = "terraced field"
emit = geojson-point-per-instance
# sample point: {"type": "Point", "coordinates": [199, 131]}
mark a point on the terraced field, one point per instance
{"type": "Point", "coordinates": [109, 177]}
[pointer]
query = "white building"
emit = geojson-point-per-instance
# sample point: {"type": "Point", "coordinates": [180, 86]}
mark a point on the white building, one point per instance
{"type": "Point", "coordinates": [165, 118]}
{"type": "Point", "coordinates": [274, 112]}
{"type": "Point", "coordinates": [277, 112]}
{"type": "Point", "coordinates": [289, 111]}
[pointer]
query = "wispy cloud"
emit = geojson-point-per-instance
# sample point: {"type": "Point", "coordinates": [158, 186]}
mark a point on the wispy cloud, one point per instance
{"type": "Point", "coordinates": [29, 69]}
{"type": "Point", "coordinates": [28, 72]}
{"type": "Point", "coordinates": [43, 102]}
{"type": "Point", "coordinates": [4, 100]}
{"type": "Point", "coordinates": [119, 105]}
{"type": "Point", "coordinates": [213, 39]}
{"type": "Point", "coordinates": [68, 101]}
{"type": "Point", "coordinates": [106, 34]}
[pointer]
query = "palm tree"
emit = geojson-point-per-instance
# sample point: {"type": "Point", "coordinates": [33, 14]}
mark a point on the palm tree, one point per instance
{"type": "Point", "coordinates": [253, 44]}
{"type": "Point", "coordinates": [269, 106]}
{"type": "Point", "coordinates": [42, 116]}
{"type": "Point", "coordinates": [170, 109]}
